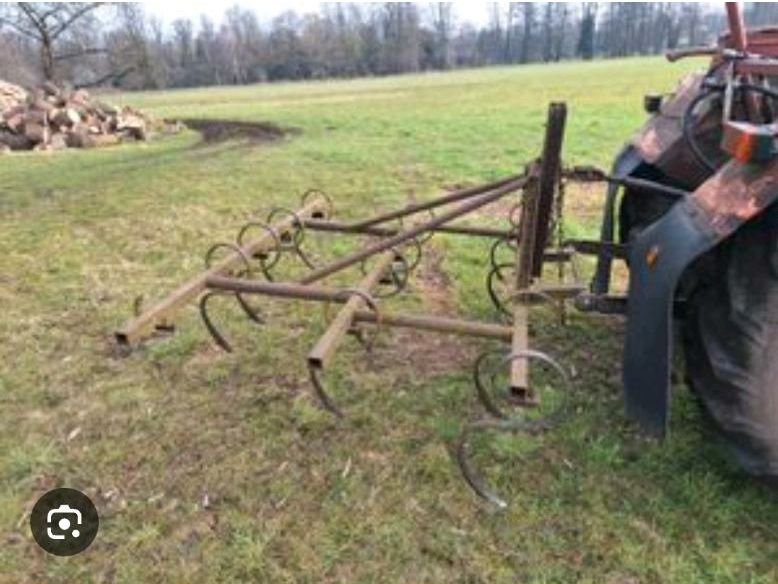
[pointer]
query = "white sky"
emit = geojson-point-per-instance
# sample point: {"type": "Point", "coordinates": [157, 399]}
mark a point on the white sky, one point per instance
{"type": "Point", "coordinates": [168, 11]}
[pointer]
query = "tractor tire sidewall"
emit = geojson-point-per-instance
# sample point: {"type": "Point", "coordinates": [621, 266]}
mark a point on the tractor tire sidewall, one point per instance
{"type": "Point", "coordinates": [730, 338]}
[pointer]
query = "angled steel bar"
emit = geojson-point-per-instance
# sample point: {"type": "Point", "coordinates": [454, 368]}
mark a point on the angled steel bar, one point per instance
{"type": "Point", "coordinates": [325, 348]}
{"type": "Point", "coordinates": [548, 181]}
{"type": "Point", "coordinates": [159, 314]}
{"type": "Point", "coordinates": [329, 294]}
{"type": "Point", "coordinates": [520, 343]}
{"type": "Point", "coordinates": [276, 289]}
{"type": "Point", "coordinates": [341, 227]}
{"type": "Point", "coordinates": [437, 324]}
{"type": "Point", "coordinates": [403, 236]}
{"type": "Point", "coordinates": [536, 215]}
{"type": "Point", "coordinates": [453, 197]}
{"type": "Point", "coordinates": [526, 241]}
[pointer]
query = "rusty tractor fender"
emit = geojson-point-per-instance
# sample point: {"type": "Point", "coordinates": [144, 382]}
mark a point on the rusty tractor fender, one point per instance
{"type": "Point", "coordinates": [658, 257]}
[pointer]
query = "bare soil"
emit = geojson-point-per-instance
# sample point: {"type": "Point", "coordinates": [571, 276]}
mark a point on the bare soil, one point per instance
{"type": "Point", "coordinates": [430, 354]}
{"type": "Point", "coordinates": [217, 131]}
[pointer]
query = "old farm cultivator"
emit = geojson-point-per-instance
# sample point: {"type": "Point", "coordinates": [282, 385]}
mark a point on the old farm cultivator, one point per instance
{"type": "Point", "coordinates": [387, 264]}
{"type": "Point", "coordinates": [692, 197]}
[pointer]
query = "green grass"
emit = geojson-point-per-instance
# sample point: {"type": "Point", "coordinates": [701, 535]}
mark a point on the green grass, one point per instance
{"type": "Point", "coordinates": [294, 495]}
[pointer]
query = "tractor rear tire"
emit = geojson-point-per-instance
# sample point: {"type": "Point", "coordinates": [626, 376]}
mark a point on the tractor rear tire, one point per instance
{"type": "Point", "coordinates": [730, 337]}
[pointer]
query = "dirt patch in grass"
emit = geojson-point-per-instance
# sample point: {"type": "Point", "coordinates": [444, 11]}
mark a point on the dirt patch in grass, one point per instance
{"type": "Point", "coordinates": [218, 131]}
{"type": "Point", "coordinates": [433, 282]}
{"type": "Point", "coordinates": [430, 353]}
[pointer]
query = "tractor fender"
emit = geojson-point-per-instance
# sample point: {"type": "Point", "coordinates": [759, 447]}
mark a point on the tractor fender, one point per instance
{"type": "Point", "coordinates": [658, 258]}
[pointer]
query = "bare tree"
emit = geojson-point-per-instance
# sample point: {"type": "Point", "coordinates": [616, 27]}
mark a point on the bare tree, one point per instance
{"type": "Point", "coordinates": [528, 18]}
{"type": "Point", "coordinates": [50, 24]}
{"type": "Point", "coordinates": [588, 30]}
{"type": "Point", "coordinates": [442, 25]}
{"type": "Point", "coordinates": [71, 42]}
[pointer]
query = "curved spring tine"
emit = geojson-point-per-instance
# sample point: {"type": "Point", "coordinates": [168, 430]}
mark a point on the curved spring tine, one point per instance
{"type": "Point", "coordinates": [481, 391]}
{"type": "Point", "coordinates": [323, 396]}
{"type": "Point", "coordinates": [484, 395]}
{"type": "Point", "coordinates": [231, 246]}
{"type": "Point", "coordinates": [496, 301]}
{"type": "Point", "coordinates": [314, 372]}
{"type": "Point", "coordinates": [513, 218]}
{"type": "Point", "coordinates": [303, 256]}
{"type": "Point", "coordinates": [417, 259]}
{"type": "Point", "coordinates": [252, 313]}
{"type": "Point", "coordinates": [399, 282]}
{"type": "Point", "coordinates": [217, 336]}
{"type": "Point", "coordinates": [504, 423]}
{"type": "Point", "coordinates": [330, 205]}
{"type": "Point", "coordinates": [493, 252]}
{"type": "Point", "coordinates": [299, 232]}
{"type": "Point", "coordinates": [266, 265]}
{"type": "Point", "coordinates": [472, 477]}
{"type": "Point", "coordinates": [266, 272]}
{"type": "Point", "coordinates": [399, 278]}
{"type": "Point", "coordinates": [521, 296]}
{"type": "Point", "coordinates": [373, 305]}
{"type": "Point", "coordinates": [248, 309]}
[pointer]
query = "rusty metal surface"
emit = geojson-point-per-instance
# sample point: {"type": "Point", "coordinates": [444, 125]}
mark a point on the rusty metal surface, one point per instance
{"type": "Point", "coordinates": [342, 227]}
{"type": "Point", "coordinates": [339, 295]}
{"type": "Point", "coordinates": [453, 197]}
{"type": "Point", "coordinates": [163, 312]}
{"type": "Point", "coordinates": [660, 141]}
{"type": "Point", "coordinates": [501, 421]}
{"type": "Point", "coordinates": [405, 235]}
{"type": "Point", "coordinates": [285, 229]}
{"type": "Point", "coordinates": [326, 346]}
{"type": "Point", "coordinates": [548, 180]}
{"type": "Point", "coordinates": [737, 28]}
{"type": "Point", "coordinates": [539, 198]}
{"type": "Point", "coordinates": [736, 193]}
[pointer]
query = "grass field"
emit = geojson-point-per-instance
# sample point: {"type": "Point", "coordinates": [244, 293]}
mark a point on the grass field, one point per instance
{"type": "Point", "coordinates": [292, 495]}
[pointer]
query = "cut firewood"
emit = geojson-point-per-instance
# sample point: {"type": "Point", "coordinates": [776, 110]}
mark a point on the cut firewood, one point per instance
{"type": "Point", "coordinates": [66, 118]}
{"type": "Point", "coordinates": [134, 124]}
{"type": "Point", "coordinates": [36, 133]}
{"type": "Point", "coordinates": [15, 141]}
{"type": "Point", "coordinates": [36, 117]}
{"type": "Point", "coordinates": [80, 96]}
{"type": "Point", "coordinates": [15, 122]}
{"type": "Point", "coordinates": [11, 95]}
{"type": "Point", "coordinates": [50, 117]}
{"type": "Point", "coordinates": [58, 141]}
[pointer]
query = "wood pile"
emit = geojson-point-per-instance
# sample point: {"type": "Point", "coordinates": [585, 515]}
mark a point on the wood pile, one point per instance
{"type": "Point", "coordinates": [53, 118]}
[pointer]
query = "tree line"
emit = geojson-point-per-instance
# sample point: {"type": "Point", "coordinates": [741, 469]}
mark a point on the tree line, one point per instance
{"type": "Point", "coordinates": [119, 44]}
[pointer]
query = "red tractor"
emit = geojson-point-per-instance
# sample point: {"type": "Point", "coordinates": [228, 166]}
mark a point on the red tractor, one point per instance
{"type": "Point", "coordinates": [700, 219]}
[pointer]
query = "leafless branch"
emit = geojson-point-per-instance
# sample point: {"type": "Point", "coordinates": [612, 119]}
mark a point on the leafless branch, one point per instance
{"type": "Point", "coordinates": [80, 53]}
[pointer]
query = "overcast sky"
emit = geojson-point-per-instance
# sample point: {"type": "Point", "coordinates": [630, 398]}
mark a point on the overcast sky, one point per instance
{"type": "Point", "coordinates": [169, 10]}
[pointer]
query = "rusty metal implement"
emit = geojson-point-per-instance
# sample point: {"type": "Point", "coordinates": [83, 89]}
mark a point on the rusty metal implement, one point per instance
{"type": "Point", "coordinates": [393, 253]}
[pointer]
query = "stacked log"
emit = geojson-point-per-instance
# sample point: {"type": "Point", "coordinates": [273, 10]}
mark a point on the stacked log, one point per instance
{"type": "Point", "coordinates": [53, 118]}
